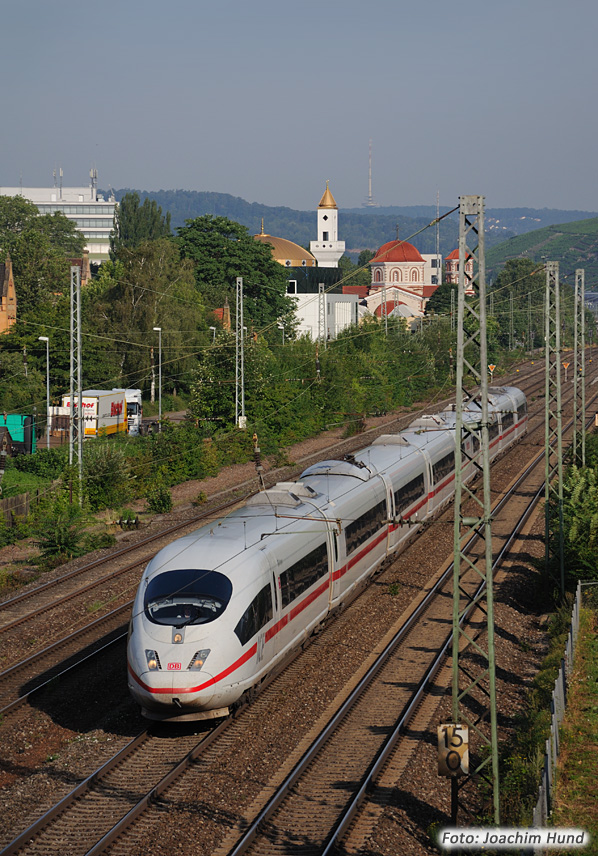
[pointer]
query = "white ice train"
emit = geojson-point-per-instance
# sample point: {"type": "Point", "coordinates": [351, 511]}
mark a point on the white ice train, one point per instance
{"type": "Point", "coordinates": [218, 609]}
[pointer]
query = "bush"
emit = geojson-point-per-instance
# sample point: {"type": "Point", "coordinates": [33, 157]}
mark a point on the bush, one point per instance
{"type": "Point", "coordinates": [159, 499]}
{"type": "Point", "coordinates": [59, 530]}
{"type": "Point", "coordinates": [106, 475]}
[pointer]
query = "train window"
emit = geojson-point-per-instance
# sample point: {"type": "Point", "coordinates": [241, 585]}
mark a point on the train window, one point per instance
{"type": "Point", "coordinates": [365, 526]}
{"type": "Point", "coordinates": [443, 467]}
{"type": "Point", "coordinates": [493, 430]}
{"type": "Point", "coordinates": [303, 574]}
{"type": "Point", "coordinates": [521, 410]}
{"type": "Point", "coordinates": [258, 613]}
{"type": "Point", "coordinates": [178, 598]}
{"type": "Point", "coordinates": [409, 493]}
{"type": "Point", "coordinates": [507, 420]}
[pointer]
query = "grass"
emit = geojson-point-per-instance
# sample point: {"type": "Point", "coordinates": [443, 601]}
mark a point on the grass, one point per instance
{"type": "Point", "coordinates": [576, 805]}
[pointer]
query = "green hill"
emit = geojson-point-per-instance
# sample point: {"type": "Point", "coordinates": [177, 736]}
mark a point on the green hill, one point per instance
{"type": "Point", "coordinates": [573, 245]}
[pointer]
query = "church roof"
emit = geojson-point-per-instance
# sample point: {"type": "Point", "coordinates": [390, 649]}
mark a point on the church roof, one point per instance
{"type": "Point", "coordinates": [286, 252]}
{"type": "Point", "coordinates": [454, 254]}
{"type": "Point", "coordinates": [397, 251]}
{"type": "Point", "coordinates": [327, 200]}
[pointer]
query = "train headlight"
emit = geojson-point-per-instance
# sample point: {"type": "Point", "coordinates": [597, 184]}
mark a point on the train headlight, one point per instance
{"type": "Point", "coordinates": [153, 661]}
{"type": "Point", "coordinates": [198, 660]}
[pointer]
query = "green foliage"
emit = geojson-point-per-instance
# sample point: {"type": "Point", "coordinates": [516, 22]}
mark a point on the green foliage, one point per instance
{"type": "Point", "coordinates": [134, 224]}
{"type": "Point", "coordinates": [38, 246]}
{"type": "Point", "coordinates": [224, 250]}
{"type": "Point", "coordinates": [580, 509]}
{"type": "Point", "coordinates": [360, 228]}
{"type": "Point", "coordinates": [159, 498]}
{"type": "Point", "coordinates": [16, 215]}
{"type": "Point", "coordinates": [149, 286]}
{"type": "Point", "coordinates": [59, 530]}
{"type": "Point", "coordinates": [62, 234]}
{"type": "Point", "coordinates": [46, 463]}
{"type": "Point", "coordinates": [573, 245]}
{"type": "Point", "coordinates": [106, 475]}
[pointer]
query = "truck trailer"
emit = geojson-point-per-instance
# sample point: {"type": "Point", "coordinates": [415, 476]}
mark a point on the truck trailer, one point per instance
{"type": "Point", "coordinates": [104, 411]}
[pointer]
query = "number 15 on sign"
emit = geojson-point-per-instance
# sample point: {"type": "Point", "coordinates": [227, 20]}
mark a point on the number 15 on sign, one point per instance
{"type": "Point", "coordinates": [453, 750]}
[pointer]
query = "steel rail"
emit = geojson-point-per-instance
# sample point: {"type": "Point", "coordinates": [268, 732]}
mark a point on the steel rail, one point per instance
{"type": "Point", "coordinates": [381, 757]}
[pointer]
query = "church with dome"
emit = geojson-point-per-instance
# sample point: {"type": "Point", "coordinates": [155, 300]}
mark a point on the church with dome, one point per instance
{"type": "Point", "coordinates": [400, 275]}
{"type": "Point", "coordinates": [404, 276]}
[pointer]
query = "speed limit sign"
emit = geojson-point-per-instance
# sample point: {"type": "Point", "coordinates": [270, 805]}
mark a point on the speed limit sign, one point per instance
{"type": "Point", "coordinates": [453, 750]}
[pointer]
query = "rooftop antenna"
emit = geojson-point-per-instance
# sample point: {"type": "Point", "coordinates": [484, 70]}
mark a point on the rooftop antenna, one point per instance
{"type": "Point", "coordinates": [54, 175]}
{"type": "Point", "coordinates": [370, 203]}
{"type": "Point", "coordinates": [60, 173]}
{"type": "Point", "coordinates": [93, 174]}
{"type": "Point", "coordinates": [439, 270]}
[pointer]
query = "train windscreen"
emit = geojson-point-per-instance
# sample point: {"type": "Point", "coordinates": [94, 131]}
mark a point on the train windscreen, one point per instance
{"type": "Point", "coordinates": [179, 598]}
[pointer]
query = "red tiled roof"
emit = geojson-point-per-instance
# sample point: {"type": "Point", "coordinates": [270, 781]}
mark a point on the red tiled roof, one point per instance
{"type": "Point", "coordinates": [453, 255]}
{"type": "Point", "coordinates": [390, 305]}
{"type": "Point", "coordinates": [397, 251]}
{"type": "Point", "coordinates": [360, 290]}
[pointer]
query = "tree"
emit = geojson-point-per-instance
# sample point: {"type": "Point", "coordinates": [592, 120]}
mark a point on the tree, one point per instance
{"type": "Point", "coordinates": [134, 224]}
{"type": "Point", "coordinates": [149, 286]}
{"type": "Point", "coordinates": [440, 303]}
{"type": "Point", "coordinates": [62, 234]}
{"type": "Point", "coordinates": [16, 215]}
{"type": "Point", "coordinates": [40, 271]}
{"type": "Point", "coordinates": [356, 274]}
{"type": "Point", "coordinates": [518, 279]}
{"type": "Point", "coordinates": [38, 246]}
{"type": "Point", "coordinates": [223, 250]}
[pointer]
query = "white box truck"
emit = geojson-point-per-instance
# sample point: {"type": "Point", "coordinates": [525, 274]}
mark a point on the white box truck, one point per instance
{"type": "Point", "coordinates": [104, 411]}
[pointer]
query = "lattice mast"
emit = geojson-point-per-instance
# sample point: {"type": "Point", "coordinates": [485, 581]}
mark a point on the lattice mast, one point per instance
{"type": "Point", "coordinates": [474, 683]}
{"type": "Point", "coordinates": [76, 423]}
{"type": "Point", "coordinates": [579, 370]}
{"type": "Point", "coordinates": [553, 425]}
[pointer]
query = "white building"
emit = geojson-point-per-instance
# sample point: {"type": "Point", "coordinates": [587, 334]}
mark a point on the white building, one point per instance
{"type": "Point", "coordinates": [399, 267]}
{"type": "Point", "coordinates": [327, 249]}
{"type": "Point", "coordinates": [339, 310]}
{"type": "Point", "coordinates": [91, 213]}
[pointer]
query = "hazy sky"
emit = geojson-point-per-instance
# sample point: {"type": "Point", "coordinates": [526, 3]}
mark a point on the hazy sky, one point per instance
{"type": "Point", "coordinates": [268, 99]}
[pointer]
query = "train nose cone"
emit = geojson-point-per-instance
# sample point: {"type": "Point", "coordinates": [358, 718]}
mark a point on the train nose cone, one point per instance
{"type": "Point", "coordinates": [193, 693]}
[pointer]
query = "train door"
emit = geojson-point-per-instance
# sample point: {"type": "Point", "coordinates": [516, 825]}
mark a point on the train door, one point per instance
{"type": "Point", "coordinates": [272, 635]}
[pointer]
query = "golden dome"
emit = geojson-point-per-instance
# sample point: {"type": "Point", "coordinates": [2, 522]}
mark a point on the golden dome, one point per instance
{"type": "Point", "coordinates": [286, 252]}
{"type": "Point", "coordinates": [327, 201]}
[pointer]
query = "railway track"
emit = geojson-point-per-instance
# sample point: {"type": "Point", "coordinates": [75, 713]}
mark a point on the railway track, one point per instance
{"type": "Point", "coordinates": [67, 653]}
{"type": "Point", "coordinates": [137, 788]}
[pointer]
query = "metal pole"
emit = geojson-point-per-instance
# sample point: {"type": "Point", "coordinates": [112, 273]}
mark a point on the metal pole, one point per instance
{"type": "Point", "coordinates": [80, 417]}
{"type": "Point", "coordinates": [158, 330]}
{"type": "Point", "coordinates": [385, 310]}
{"type": "Point", "coordinates": [240, 421]}
{"type": "Point", "coordinates": [472, 355]}
{"type": "Point", "coordinates": [47, 341]}
{"type": "Point", "coordinates": [582, 309]}
{"type": "Point", "coordinates": [322, 314]}
{"type": "Point", "coordinates": [575, 362]}
{"type": "Point", "coordinates": [553, 415]}
{"type": "Point", "coordinates": [72, 370]}
{"type": "Point", "coordinates": [237, 354]}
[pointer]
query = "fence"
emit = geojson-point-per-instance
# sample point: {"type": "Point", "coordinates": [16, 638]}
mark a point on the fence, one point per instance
{"type": "Point", "coordinates": [15, 506]}
{"type": "Point", "coordinates": [557, 710]}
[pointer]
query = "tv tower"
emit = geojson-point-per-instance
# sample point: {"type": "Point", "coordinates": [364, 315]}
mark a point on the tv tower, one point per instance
{"type": "Point", "coordinates": [370, 203]}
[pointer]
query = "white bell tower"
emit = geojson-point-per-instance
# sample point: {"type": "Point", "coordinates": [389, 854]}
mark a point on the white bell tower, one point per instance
{"type": "Point", "coordinates": [327, 249]}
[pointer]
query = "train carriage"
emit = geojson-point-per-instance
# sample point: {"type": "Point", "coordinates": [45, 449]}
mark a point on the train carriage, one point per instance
{"type": "Point", "coordinates": [218, 609]}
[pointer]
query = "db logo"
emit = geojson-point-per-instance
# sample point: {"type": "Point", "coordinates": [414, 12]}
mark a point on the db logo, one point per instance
{"type": "Point", "coordinates": [174, 667]}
